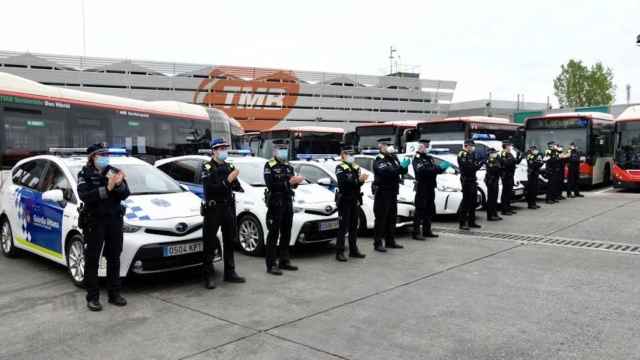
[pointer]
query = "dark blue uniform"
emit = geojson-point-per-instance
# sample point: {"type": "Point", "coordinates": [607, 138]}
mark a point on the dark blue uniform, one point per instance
{"type": "Point", "coordinates": [103, 227]}
{"type": "Point", "coordinates": [219, 211]}
{"type": "Point", "coordinates": [386, 184]}
{"type": "Point", "coordinates": [508, 164]}
{"type": "Point", "coordinates": [280, 210]}
{"type": "Point", "coordinates": [492, 180]}
{"type": "Point", "coordinates": [348, 199]}
{"type": "Point", "coordinates": [534, 163]}
{"type": "Point", "coordinates": [573, 176]}
{"type": "Point", "coordinates": [426, 172]}
{"type": "Point", "coordinates": [469, 165]}
{"type": "Point", "coordinates": [554, 168]}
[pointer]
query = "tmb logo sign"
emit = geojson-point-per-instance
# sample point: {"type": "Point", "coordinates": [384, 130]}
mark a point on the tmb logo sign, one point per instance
{"type": "Point", "coordinates": [257, 104]}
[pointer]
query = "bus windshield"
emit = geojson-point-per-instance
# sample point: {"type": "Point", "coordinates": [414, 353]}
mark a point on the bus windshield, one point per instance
{"type": "Point", "coordinates": [563, 137]}
{"type": "Point", "coordinates": [628, 154]}
{"type": "Point", "coordinates": [368, 136]}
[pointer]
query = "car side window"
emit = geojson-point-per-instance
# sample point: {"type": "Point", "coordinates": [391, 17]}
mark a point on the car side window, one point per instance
{"type": "Point", "coordinates": [312, 173]}
{"type": "Point", "coordinates": [29, 174]}
{"type": "Point", "coordinates": [55, 179]}
{"type": "Point", "coordinates": [183, 170]}
{"type": "Point", "coordinates": [365, 163]}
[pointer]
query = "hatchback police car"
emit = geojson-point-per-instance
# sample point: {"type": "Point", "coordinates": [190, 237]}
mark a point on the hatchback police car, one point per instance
{"type": "Point", "coordinates": [39, 214]}
{"type": "Point", "coordinates": [315, 216]}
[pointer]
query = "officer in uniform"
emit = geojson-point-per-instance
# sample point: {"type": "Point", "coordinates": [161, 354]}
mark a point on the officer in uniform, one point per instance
{"type": "Point", "coordinates": [508, 163]}
{"type": "Point", "coordinates": [280, 180]}
{"type": "Point", "coordinates": [563, 157]}
{"type": "Point", "coordinates": [387, 171]}
{"type": "Point", "coordinates": [573, 164]}
{"type": "Point", "coordinates": [426, 172]}
{"type": "Point", "coordinates": [348, 199]}
{"type": "Point", "coordinates": [102, 188]}
{"type": "Point", "coordinates": [219, 180]}
{"type": "Point", "coordinates": [552, 161]}
{"type": "Point", "coordinates": [469, 165]}
{"type": "Point", "coordinates": [534, 163]}
{"type": "Point", "coordinates": [492, 180]}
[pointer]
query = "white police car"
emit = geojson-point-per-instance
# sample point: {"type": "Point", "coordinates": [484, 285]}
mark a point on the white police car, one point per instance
{"type": "Point", "coordinates": [39, 214]}
{"type": "Point", "coordinates": [315, 217]}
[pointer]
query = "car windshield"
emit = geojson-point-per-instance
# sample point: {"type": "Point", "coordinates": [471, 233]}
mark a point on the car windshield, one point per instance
{"type": "Point", "coordinates": [564, 137]}
{"type": "Point", "coordinates": [251, 173]}
{"type": "Point", "coordinates": [331, 167]}
{"type": "Point", "coordinates": [143, 179]}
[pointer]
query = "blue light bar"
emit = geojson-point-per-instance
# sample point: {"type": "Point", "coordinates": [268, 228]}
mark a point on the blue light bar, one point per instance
{"type": "Point", "coordinates": [370, 151]}
{"type": "Point", "coordinates": [239, 152]}
{"type": "Point", "coordinates": [483, 137]}
{"type": "Point", "coordinates": [315, 156]}
{"type": "Point", "coordinates": [117, 152]}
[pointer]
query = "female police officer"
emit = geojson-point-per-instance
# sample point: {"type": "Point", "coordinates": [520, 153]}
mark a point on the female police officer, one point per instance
{"type": "Point", "coordinates": [101, 188]}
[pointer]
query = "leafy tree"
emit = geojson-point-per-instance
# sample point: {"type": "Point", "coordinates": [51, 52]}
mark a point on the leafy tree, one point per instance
{"type": "Point", "coordinates": [579, 85]}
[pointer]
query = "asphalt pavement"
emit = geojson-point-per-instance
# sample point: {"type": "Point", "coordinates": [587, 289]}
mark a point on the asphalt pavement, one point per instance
{"type": "Point", "coordinates": [500, 293]}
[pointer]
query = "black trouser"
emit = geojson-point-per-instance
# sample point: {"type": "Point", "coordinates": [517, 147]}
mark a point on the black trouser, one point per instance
{"type": "Point", "coordinates": [348, 210]}
{"type": "Point", "coordinates": [385, 210]}
{"type": "Point", "coordinates": [492, 197]}
{"type": "Point", "coordinates": [279, 220]}
{"type": "Point", "coordinates": [532, 188]}
{"type": "Point", "coordinates": [552, 183]}
{"type": "Point", "coordinates": [217, 216]}
{"type": "Point", "coordinates": [572, 180]}
{"type": "Point", "coordinates": [105, 232]}
{"type": "Point", "coordinates": [425, 210]}
{"type": "Point", "coordinates": [467, 211]}
{"type": "Point", "coordinates": [507, 191]}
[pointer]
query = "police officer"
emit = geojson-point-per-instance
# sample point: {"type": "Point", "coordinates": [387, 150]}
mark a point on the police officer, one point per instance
{"type": "Point", "coordinates": [469, 165]}
{"type": "Point", "coordinates": [563, 157]}
{"type": "Point", "coordinates": [551, 161]}
{"type": "Point", "coordinates": [492, 180]}
{"type": "Point", "coordinates": [348, 199]}
{"type": "Point", "coordinates": [534, 163]}
{"type": "Point", "coordinates": [573, 164]}
{"type": "Point", "coordinates": [387, 171]}
{"type": "Point", "coordinates": [426, 172]}
{"type": "Point", "coordinates": [219, 180]}
{"type": "Point", "coordinates": [508, 163]}
{"type": "Point", "coordinates": [280, 181]}
{"type": "Point", "coordinates": [101, 188]}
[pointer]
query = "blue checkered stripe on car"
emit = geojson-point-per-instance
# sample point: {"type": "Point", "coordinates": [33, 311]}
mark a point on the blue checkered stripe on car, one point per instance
{"type": "Point", "coordinates": [134, 212]}
{"type": "Point", "coordinates": [22, 214]}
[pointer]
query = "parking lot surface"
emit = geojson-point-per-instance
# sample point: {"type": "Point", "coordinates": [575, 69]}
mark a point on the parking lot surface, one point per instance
{"type": "Point", "coordinates": [546, 284]}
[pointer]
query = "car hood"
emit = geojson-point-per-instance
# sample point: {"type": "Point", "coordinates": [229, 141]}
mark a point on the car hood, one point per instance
{"type": "Point", "coordinates": [161, 207]}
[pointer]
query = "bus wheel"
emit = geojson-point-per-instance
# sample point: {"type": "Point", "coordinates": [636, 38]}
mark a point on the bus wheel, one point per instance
{"type": "Point", "coordinates": [8, 249]}
{"type": "Point", "coordinates": [250, 236]}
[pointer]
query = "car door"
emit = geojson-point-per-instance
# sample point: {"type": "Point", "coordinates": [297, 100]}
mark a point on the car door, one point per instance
{"type": "Point", "coordinates": [186, 172]}
{"type": "Point", "coordinates": [55, 215]}
{"type": "Point", "coordinates": [314, 173]}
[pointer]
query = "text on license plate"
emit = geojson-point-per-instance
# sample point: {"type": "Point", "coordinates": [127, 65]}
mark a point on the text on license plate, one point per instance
{"type": "Point", "coordinates": [329, 225]}
{"type": "Point", "coordinates": [181, 249]}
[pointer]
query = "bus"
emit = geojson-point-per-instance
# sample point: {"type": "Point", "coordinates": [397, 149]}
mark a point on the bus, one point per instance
{"type": "Point", "coordinates": [36, 117]}
{"type": "Point", "coordinates": [304, 141]}
{"type": "Point", "coordinates": [469, 127]}
{"type": "Point", "coordinates": [401, 132]}
{"type": "Point", "coordinates": [626, 168]}
{"type": "Point", "coordinates": [592, 132]}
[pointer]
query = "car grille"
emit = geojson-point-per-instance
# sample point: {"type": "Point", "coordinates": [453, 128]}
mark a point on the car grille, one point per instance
{"type": "Point", "coordinates": [313, 234]}
{"type": "Point", "coordinates": [153, 259]}
{"type": "Point", "coordinates": [173, 232]}
{"type": "Point", "coordinates": [321, 212]}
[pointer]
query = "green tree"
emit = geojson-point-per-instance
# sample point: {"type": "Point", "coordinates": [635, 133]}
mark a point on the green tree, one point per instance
{"type": "Point", "coordinates": [579, 85]}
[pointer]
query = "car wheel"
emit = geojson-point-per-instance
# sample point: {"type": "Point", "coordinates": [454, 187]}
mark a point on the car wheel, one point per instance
{"type": "Point", "coordinates": [75, 259]}
{"type": "Point", "coordinates": [8, 249]}
{"type": "Point", "coordinates": [250, 236]}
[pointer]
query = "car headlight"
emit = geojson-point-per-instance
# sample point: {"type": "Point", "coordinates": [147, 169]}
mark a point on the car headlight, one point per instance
{"type": "Point", "coordinates": [447, 188]}
{"type": "Point", "coordinates": [128, 228]}
{"type": "Point", "coordinates": [298, 209]}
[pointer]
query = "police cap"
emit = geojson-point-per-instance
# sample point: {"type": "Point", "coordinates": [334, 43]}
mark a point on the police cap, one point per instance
{"type": "Point", "coordinates": [385, 141]}
{"type": "Point", "coordinates": [425, 141]}
{"type": "Point", "coordinates": [551, 143]}
{"type": "Point", "coordinates": [346, 148]}
{"type": "Point", "coordinates": [217, 143]}
{"type": "Point", "coordinates": [280, 144]}
{"type": "Point", "coordinates": [97, 148]}
{"type": "Point", "coordinates": [469, 142]}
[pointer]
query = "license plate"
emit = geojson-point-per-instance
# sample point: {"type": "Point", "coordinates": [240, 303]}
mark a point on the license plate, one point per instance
{"type": "Point", "coordinates": [181, 249]}
{"type": "Point", "coordinates": [329, 225]}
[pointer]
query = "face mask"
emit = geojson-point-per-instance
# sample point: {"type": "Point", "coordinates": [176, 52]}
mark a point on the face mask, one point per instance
{"type": "Point", "coordinates": [391, 149]}
{"type": "Point", "coordinates": [222, 155]}
{"type": "Point", "coordinates": [349, 159]}
{"type": "Point", "coordinates": [102, 162]}
{"type": "Point", "coordinates": [573, 148]}
{"type": "Point", "coordinates": [282, 154]}
{"type": "Point", "coordinates": [535, 152]}
{"type": "Point", "coordinates": [423, 149]}
{"type": "Point", "coordinates": [472, 148]}
{"type": "Point", "coordinates": [493, 155]}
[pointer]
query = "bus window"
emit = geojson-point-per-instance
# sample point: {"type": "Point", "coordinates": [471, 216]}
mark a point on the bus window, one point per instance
{"type": "Point", "coordinates": [132, 133]}
{"type": "Point", "coordinates": [31, 134]}
{"type": "Point", "coordinates": [88, 131]}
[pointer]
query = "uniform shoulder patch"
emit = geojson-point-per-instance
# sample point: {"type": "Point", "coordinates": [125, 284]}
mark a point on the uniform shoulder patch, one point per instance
{"type": "Point", "coordinates": [462, 153]}
{"type": "Point", "coordinates": [272, 162]}
{"type": "Point", "coordinates": [355, 166]}
{"type": "Point", "coordinates": [207, 166]}
{"type": "Point", "coordinates": [380, 156]}
{"type": "Point", "coordinates": [344, 166]}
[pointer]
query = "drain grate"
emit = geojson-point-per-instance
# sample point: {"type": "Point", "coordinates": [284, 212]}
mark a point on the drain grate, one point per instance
{"type": "Point", "coordinates": [547, 240]}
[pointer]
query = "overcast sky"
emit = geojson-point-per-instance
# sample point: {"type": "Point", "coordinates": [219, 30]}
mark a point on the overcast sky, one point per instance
{"type": "Point", "coordinates": [503, 47]}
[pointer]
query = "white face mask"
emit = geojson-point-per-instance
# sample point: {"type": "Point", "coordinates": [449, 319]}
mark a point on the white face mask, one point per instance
{"type": "Point", "coordinates": [348, 159]}
{"type": "Point", "coordinates": [391, 149]}
{"type": "Point", "coordinates": [535, 152]}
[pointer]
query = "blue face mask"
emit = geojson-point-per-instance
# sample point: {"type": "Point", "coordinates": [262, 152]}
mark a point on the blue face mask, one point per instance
{"type": "Point", "coordinates": [102, 162]}
{"type": "Point", "coordinates": [223, 155]}
{"type": "Point", "coordinates": [282, 154]}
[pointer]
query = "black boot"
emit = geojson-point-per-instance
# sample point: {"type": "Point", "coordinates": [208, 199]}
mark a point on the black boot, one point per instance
{"type": "Point", "coordinates": [232, 277]}
{"type": "Point", "coordinates": [357, 254]}
{"type": "Point", "coordinates": [393, 245]}
{"type": "Point", "coordinates": [417, 236]}
{"type": "Point", "coordinates": [430, 234]}
{"type": "Point", "coordinates": [286, 265]}
{"type": "Point", "coordinates": [94, 305]}
{"type": "Point", "coordinates": [209, 281]}
{"type": "Point", "coordinates": [117, 300]}
{"type": "Point", "coordinates": [340, 257]}
{"type": "Point", "coordinates": [474, 225]}
{"type": "Point", "coordinates": [463, 225]}
{"type": "Point", "coordinates": [379, 248]}
{"type": "Point", "coordinates": [273, 270]}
